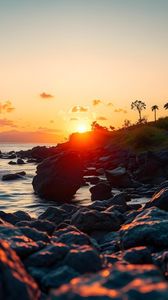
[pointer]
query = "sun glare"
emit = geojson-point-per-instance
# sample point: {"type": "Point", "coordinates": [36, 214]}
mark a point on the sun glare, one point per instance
{"type": "Point", "coordinates": [81, 128]}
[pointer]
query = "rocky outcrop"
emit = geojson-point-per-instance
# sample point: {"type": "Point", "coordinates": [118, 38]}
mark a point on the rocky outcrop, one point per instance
{"type": "Point", "coordinates": [59, 177]}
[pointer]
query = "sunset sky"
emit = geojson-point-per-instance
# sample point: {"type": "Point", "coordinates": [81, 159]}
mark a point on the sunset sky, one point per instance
{"type": "Point", "coordinates": [66, 63]}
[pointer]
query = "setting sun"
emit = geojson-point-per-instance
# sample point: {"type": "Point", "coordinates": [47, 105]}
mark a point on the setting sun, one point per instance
{"type": "Point", "coordinates": [82, 128]}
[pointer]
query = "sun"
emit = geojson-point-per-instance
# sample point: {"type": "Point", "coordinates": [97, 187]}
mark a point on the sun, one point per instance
{"type": "Point", "coordinates": [82, 128]}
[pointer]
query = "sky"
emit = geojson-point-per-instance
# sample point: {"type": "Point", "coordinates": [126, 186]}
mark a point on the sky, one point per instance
{"type": "Point", "coordinates": [67, 63]}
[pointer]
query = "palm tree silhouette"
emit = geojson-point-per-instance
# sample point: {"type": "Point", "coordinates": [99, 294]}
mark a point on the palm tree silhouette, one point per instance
{"type": "Point", "coordinates": [154, 108]}
{"type": "Point", "coordinates": [139, 106]}
{"type": "Point", "coordinates": [166, 106]}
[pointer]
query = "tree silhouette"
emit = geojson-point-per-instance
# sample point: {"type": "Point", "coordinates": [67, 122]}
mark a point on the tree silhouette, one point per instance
{"type": "Point", "coordinates": [166, 106]}
{"type": "Point", "coordinates": [154, 108]}
{"type": "Point", "coordinates": [97, 127]}
{"type": "Point", "coordinates": [139, 106]}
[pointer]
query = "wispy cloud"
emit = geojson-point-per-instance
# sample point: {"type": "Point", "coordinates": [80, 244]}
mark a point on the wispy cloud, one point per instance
{"type": "Point", "coordinates": [109, 104]}
{"type": "Point", "coordinates": [78, 108]}
{"type": "Point", "coordinates": [6, 122]}
{"type": "Point", "coordinates": [6, 107]}
{"type": "Point", "coordinates": [120, 110]}
{"type": "Point", "coordinates": [74, 119]}
{"type": "Point", "coordinates": [46, 96]}
{"type": "Point", "coordinates": [96, 102]}
{"type": "Point", "coordinates": [101, 118]}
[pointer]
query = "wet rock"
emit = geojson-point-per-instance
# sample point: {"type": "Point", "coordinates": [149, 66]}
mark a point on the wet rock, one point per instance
{"type": "Point", "coordinates": [91, 220]}
{"type": "Point", "coordinates": [149, 228]}
{"type": "Point", "coordinates": [56, 278]}
{"type": "Point", "coordinates": [119, 178]}
{"type": "Point", "coordinates": [53, 214]}
{"type": "Point", "coordinates": [48, 256]}
{"type": "Point", "coordinates": [14, 176]}
{"type": "Point", "coordinates": [20, 161]}
{"type": "Point", "coordinates": [74, 237]}
{"type": "Point", "coordinates": [9, 217]}
{"type": "Point", "coordinates": [92, 179]}
{"type": "Point", "coordinates": [100, 191]}
{"type": "Point", "coordinates": [138, 255]}
{"type": "Point", "coordinates": [159, 200]}
{"type": "Point", "coordinates": [16, 283]}
{"type": "Point", "coordinates": [120, 282]}
{"type": "Point", "coordinates": [84, 259]}
{"type": "Point", "coordinates": [59, 177]}
{"type": "Point", "coordinates": [12, 162]}
{"type": "Point", "coordinates": [40, 225]}
{"type": "Point", "coordinates": [22, 215]}
{"type": "Point", "coordinates": [34, 234]}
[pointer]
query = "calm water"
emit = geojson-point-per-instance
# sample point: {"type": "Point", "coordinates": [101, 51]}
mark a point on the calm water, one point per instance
{"type": "Point", "coordinates": [18, 194]}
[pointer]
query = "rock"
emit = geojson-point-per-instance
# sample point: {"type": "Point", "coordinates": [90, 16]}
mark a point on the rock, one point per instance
{"type": "Point", "coordinates": [13, 176]}
{"type": "Point", "coordinates": [74, 237]}
{"type": "Point", "coordinates": [100, 191]}
{"type": "Point", "coordinates": [92, 179]}
{"type": "Point", "coordinates": [119, 282]}
{"type": "Point", "coordinates": [34, 234]}
{"type": "Point", "coordinates": [159, 200]}
{"type": "Point", "coordinates": [91, 220]}
{"type": "Point", "coordinates": [22, 215]}
{"type": "Point", "coordinates": [40, 225]}
{"type": "Point", "coordinates": [48, 256]}
{"type": "Point", "coordinates": [53, 214]}
{"type": "Point", "coordinates": [16, 283]}
{"type": "Point", "coordinates": [84, 259]}
{"type": "Point", "coordinates": [59, 177]}
{"type": "Point", "coordinates": [138, 255]}
{"type": "Point", "coordinates": [9, 217]}
{"type": "Point", "coordinates": [56, 278]}
{"type": "Point", "coordinates": [20, 161]}
{"type": "Point", "coordinates": [118, 177]}
{"type": "Point", "coordinates": [12, 162]}
{"type": "Point", "coordinates": [149, 228]}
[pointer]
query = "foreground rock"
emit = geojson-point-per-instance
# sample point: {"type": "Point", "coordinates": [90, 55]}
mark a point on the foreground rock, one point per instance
{"type": "Point", "coordinates": [119, 283]}
{"type": "Point", "coordinates": [15, 281]}
{"type": "Point", "coordinates": [59, 177]}
{"type": "Point", "coordinates": [159, 200]}
{"type": "Point", "coordinates": [13, 176]}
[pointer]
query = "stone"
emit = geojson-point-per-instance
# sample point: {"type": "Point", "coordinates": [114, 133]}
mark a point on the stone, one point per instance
{"type": "Point", "coordinates": [138, 255]}
{"type": "Point", "coordinates": [40, 225]}
{"type": "Point", "coordinates": [49, 255]}
{"type": "Point", "coordinates": [20, 161]}
{"type": "Point", "coordinates": [53, 214]}
{"type": "Point", "coordinates": [59, 177]}
{"type": "Point", "coordinates": [121, 281]}
{"type": "Point", "coordinates": [16, 283]}
{"type": "Point", "coordinates": [84, 259]}
{"type": "Point", "coordinates": [119, 177]}
{"type": "Point", "coordinates": [100, 191]}
{"type": "Point", "coordinates": [159, 200]}
{"type": "Point", "coordinates": [91, 220]}
{"type": "Point", "coordinates": [13, 176]}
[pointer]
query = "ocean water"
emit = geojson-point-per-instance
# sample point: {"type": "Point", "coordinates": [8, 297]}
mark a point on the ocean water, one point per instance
{"type": "Point", "coordinates": [18, 194]}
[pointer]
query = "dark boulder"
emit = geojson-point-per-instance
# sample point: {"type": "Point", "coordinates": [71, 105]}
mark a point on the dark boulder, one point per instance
{"type": "Point", "coordinates": [16, 283]}
{"type": "Point", "coordinates": [119, 177]}
{"type": "Point", "coordinates": [159, 200]}
{"type": "Point", "coordinates": [13, 176]}
{"type": "Point", "coordinates": [59, 177]}
{"type": "Point", "coordinates": [100, 191]}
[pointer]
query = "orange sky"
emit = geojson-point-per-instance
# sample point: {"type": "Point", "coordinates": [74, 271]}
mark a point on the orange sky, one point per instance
{"type": "Point", "coordinates": [56, 55]}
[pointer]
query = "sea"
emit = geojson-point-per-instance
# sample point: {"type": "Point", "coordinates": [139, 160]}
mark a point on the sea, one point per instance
{"type": "Point", "coordinates": [18, 194]}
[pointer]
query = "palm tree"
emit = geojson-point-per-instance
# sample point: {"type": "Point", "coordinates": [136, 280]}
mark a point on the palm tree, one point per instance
{"type": "Point", "coordinates": [154, 108]}
{"type": "Point", "coordinates": [139, 105]}
{"type": "Point", "coordinates": [166, 106]}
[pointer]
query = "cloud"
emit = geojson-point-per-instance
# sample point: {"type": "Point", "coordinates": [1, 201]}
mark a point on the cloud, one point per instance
{"type": "Point", "coordinates": [74, 119]}
{"type": "Point", "coordinates": [110, 104]}
{"type": "Point", "coordinates": [46, 96]}
{"type": "Point", "coordinates": [120, 110]}
{"type": "Point", "coordinates": [49, 130]}
{"type": "Point", "coordinates": [6, 122]}
{"type": "Point", "coordinates": [96, 102]}
{"type": "Point", "coordinates": [101, 118]}
{"type": "Point", "coordinates": [38, 136]}
{"type": "Point", "coordinates": [78, 108]}
{"type": "Point", "coordinates": [6, 107]}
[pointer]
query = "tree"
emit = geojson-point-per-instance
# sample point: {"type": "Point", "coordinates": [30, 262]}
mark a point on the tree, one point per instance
{"type": "Point", "coordinates": [154, 108]}
{"type": "Point", "coordinates": [97, 127]}
{"type": "Point", "coordinates": [166, 106]}
{"type": "Point", "coordinates": [139, 106]}
{"type": "Point", "coordinates": [127, 123]}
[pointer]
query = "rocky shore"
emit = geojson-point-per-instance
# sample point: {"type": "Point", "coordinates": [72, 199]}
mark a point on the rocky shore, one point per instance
{"type": "Point", "coordinates": [110, 249]}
